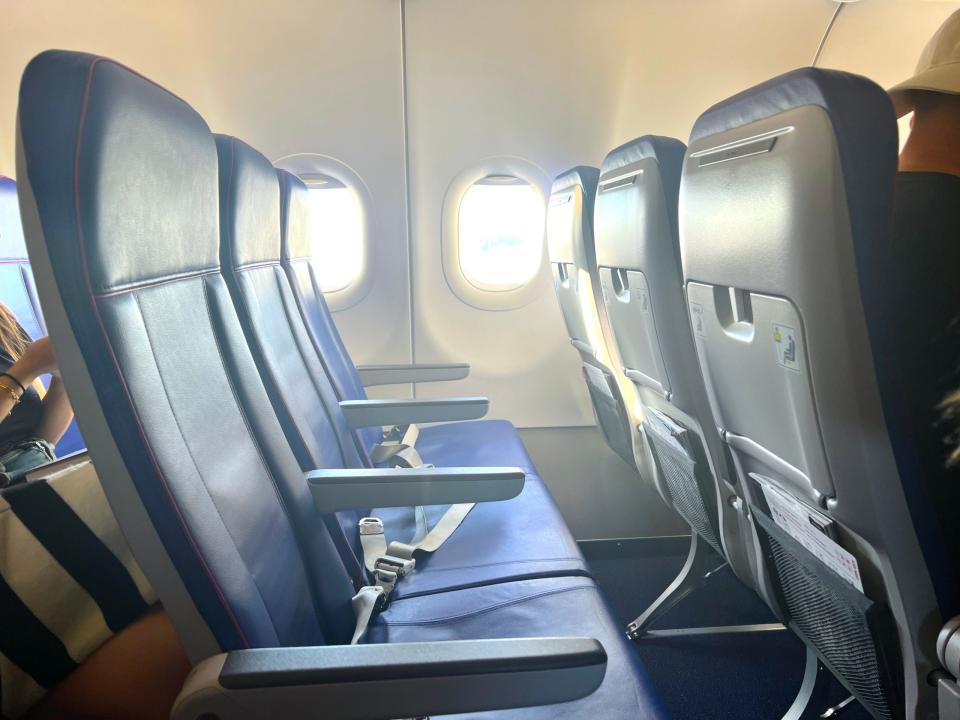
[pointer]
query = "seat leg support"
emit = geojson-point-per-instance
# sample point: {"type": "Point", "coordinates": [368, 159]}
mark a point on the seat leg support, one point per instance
{"type": "Point", "coordinates": [699, 567]}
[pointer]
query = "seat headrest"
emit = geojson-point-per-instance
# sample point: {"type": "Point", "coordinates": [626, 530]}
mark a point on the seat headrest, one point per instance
{"type": "Point", "coordinates": [124, 172]}
{"type": "Point", "coordinates": [667, 151]}
{"type": "Point", "coordinates": [295, 230]}
{"type": "Point", "coordinates": [12, 245]}
{"type": "Point", "coordinates": [583, 175]}
{"type": "Point", "coordinates": [249, 205]}
{"type": "Point", "coordinates": [864, 124]}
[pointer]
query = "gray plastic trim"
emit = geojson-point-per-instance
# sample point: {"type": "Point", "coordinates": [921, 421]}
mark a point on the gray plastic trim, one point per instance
{"type": "Point", "coordinates": [372, 375]}
{"type": "Point", "coordinates": [371, 413]}
{"type": "Point", "coordinates": [363, 488]}
{"type": "Point", "coordinates": [642, 379]}
{"type": "Point", "coordinates": [382, 682]}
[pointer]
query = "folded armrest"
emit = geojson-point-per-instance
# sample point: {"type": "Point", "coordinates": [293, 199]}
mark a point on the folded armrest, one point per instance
{"type": "Point", "coordinates": [384, 682]}
{"type": "Point", "coordinates": [371, 375]}
{"type": "Point", "coordinates": [370, 413]}
{"type": "Point", "coordinates": [363, 488]}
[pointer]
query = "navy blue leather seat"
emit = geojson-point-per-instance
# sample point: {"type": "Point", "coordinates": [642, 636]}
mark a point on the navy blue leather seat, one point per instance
{"type": "Point", "coordinates": [474, 443]}
{"type": "Point", "coordinates": [518, 538]}
{"type": "Point", "coordinates": [188, 425]}
{"type": "Point", "coordinates": [17, 289]}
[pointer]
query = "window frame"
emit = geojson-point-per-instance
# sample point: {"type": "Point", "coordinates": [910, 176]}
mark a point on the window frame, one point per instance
{"type": "Point", "coordinates": [467, 290]}
{"type": "Point", "coordinates": [305, 165]}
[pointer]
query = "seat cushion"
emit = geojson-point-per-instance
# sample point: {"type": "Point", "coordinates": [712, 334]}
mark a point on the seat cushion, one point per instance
{"type": "Point", "coordinates": [531, 608]}
{"type": "Point", "coordinates": [513, 539]}
{"type": "Point", "coordinates": [478, 443]}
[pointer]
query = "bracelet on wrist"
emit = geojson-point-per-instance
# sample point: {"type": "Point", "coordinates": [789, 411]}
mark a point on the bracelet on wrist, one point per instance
{"type": "Point", "coordinates": [19, 384]}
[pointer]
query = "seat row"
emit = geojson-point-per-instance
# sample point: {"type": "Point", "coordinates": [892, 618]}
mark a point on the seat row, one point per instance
{"type": "Point", "coordinates": [738, 287]}
{"type": "Point", "coordinates": [228, 424]}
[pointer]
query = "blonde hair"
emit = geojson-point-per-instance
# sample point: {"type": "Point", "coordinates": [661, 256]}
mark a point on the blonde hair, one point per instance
{"type": "Point", "coordinates": [13, 340]}
{"type": "Point", "coordinates": [951, 412]}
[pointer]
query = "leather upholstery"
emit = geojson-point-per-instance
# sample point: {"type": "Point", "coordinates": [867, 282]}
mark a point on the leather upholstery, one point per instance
{"type": "Point", "coordinates": [522, 537]}
{"type": "Point", "coordinates": [532, 608]}
{"type": "Point", "coordinates": [318, 320]}
{"type": "Point", "coordinates": [97, 137]}
{"type": "Point", "coordinates": [183, 397]}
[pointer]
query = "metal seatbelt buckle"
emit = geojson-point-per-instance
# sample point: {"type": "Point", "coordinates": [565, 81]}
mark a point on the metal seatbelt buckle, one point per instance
{"type": "Point", "coordinates": [386, 579]}
{"type": "Point", "coordinates": [401, 566]}
{"type": "Point", "coordinates": [370, 526]}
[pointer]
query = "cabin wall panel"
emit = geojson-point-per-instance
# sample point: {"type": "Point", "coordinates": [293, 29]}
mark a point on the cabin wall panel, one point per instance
{"type": "Point", "coordinates": [287, 77]}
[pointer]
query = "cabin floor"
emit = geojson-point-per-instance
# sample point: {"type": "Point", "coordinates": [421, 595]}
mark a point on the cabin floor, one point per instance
{"type": "Point", "coordinates": [750, 676]}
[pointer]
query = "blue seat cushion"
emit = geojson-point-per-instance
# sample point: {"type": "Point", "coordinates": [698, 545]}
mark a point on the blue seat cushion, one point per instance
{"type": "Point", "coordinates": [478, 443]}
{"type": "Point", "coordinates": [531, 608]}
{"type": "Point", "coordinates": [524, 537]}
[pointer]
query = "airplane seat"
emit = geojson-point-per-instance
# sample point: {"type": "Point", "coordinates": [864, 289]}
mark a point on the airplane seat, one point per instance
{"type": "Point", "coordinates": [465, 443]}
{"type": "Point", "coordinates": [638, 260]}
{"type": "Point", "coordinates": [18, 291]}
{"type": "Point", "coordinates": [570, 245]}
{"type": "Point", "coordinates": [202, 477]}
{"type": "Point", "coordinates": [521, 537]}
{"type": "Point", "coordinates": [785, 217]}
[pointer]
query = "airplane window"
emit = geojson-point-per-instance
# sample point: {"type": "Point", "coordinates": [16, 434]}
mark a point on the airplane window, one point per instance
{"type": "Point", "coordinates": [337, 227]}
{"type": "Point", "coordinates": [500, 233]}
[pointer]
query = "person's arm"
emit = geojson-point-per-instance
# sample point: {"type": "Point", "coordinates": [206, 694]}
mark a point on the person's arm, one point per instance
{"type": "Point", "coordinates": [37, 360]}
{"type": "Point", "coordinates": [57, 412]}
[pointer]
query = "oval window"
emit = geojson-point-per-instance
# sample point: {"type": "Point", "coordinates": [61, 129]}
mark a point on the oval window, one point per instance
{"type": "Point", "coordinates": [337, 225]}
{"type": "Point", "coordinates": [500, 233]}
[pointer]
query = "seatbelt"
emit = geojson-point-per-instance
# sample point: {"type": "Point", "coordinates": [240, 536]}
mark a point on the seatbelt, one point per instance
{"type": "Point", "coordinates": [399, 556]}
{"type": "Point", "coordinates": [388, 564]}
{"type": "Point", "coordinates": [398, 445]}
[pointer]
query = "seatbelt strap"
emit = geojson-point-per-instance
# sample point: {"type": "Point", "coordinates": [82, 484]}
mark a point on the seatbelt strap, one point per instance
{"type": "Point", "coordinates": [370, 600]}
{"type": "Point", "coordinates": [399, 440]}
{"type": "Point", "coordinates": [399, 556]}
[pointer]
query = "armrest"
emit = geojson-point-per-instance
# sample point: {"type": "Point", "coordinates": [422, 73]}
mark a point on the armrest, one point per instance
{"type": "Point", "coordinates": [369, 413]}
{"type": "Point", "coordinates": [371, 375]}
{"type": "Point", "coordinates": [363, 488]}
{"type": "Point", "coordinates": [383, 682]}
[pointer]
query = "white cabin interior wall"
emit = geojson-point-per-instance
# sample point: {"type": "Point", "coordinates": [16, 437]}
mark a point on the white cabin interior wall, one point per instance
{"type": "Point", "coordinates": [554, 82]}
{"type": "Point", "coordinates": [295, 76]}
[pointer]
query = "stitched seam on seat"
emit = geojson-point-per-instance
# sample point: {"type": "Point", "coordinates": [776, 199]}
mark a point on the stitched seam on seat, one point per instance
{"type": "Point", "coordinates": [116, 365]}
{"type": "Point", "coordinates": [502, 562]}
{"type": "Point", "coordinates": [156, 282]}
{"type": "Point", "coordinates": [193, 460]}
{"type": "Point", "coordinates": [483, 611]}
{"type": "Point", "coordinates": [278, 284]}
{"type": "Point", "coordinates": [255, 265]}
{"type": "Point", "coordinates": [489, 582]}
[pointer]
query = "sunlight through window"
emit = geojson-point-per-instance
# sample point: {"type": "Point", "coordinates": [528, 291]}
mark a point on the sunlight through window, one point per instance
{"type": "Point", "coordinates": [337, 226]}
{"type": "Point", "coordinates": [500, 233]}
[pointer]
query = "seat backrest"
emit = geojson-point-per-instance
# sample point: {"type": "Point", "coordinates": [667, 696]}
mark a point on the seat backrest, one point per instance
{"type": "Point", "coordinates": [18, 290]}
{"type": "Point", "coordinates": [302, 395]}
{"type": "Point", "coordinates": [785, 210]}
{"type": "Point", "coordinates": [297, 260]}
{"type": "Point", "coordinates": [122, 220]}
{"type": "Point", "coordinates": [638, 254]}
{"type": "Point", "coordinates": [570, 244]}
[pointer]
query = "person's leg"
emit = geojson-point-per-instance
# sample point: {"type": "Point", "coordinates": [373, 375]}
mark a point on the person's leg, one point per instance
{"type": "Point", "coordinates": [136, 674]}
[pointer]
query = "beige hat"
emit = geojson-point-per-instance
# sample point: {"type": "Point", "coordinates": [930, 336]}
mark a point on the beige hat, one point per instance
{"type": "Point", "coordinates": [938, 69]}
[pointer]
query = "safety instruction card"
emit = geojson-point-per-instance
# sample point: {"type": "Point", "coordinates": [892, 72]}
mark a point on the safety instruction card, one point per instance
{"type": "Point", "coordinates": [811, 529]}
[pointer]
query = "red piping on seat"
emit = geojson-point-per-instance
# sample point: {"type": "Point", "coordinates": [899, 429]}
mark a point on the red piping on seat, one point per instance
{"type": "Point", "coordinates": [93, 301]}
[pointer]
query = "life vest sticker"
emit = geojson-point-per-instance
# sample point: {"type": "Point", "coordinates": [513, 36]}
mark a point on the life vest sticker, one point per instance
{"type": "Point", "coordinates": [788, 350]}
{"type": "Point", "coordinates": [696, 317]}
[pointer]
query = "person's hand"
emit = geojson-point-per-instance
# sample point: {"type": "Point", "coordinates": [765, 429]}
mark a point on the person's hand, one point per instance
{"type": "Point", "coordinates": [36, 360]}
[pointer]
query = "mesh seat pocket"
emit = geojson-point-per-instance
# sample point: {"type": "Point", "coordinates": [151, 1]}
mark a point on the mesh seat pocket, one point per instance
{"type": "Point", "coordinates": [854, 636]}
